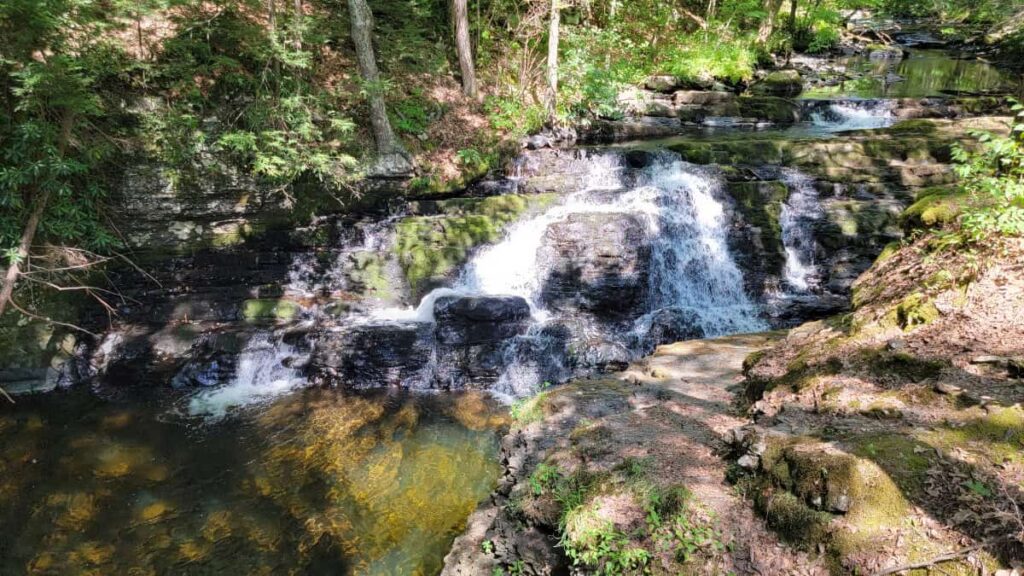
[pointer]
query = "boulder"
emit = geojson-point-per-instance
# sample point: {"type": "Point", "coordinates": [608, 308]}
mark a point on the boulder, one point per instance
{"type": "Point", "coordinates": [669, 325]}
{"type": "Point", "coordinates": [467, 321]}
{"type": "Point", "coordinates": [662, 83]}
{"type": "Point", "coordinates": [769, 109]}
{"type": "Point", "coordinates": [886, 53]}
{"type": "Point", "coordinates": [780, 83]}
{"type": "Point", "coordinates": [702, 97]}
{"type": "Point", "coordinates": [598, 264]}
{"type": "Point", "coordinates": [376, 355]}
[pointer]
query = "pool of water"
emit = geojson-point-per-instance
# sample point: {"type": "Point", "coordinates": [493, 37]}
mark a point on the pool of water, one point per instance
{"type": "Point", "coordinates": [315, 482]}
{"type": "Point", "coordinates": [924, 73]}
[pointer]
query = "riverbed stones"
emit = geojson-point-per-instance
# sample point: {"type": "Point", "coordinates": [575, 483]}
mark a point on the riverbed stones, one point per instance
{"type": "Point", "coordinates": [598, 264]}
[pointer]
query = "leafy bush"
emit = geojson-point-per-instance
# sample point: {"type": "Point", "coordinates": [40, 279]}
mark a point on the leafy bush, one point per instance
{"type": "Point", "coordinates": [709, 58]}
{"type": "Point", "coordinates": [993, 175]}
{"type": "Point", "coordinates": [514, 116]}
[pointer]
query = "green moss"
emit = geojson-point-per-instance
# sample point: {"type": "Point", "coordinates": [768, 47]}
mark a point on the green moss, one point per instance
{"type": "Point", "coordinates": [998, 436]}
{"type": "Point", "coordinates": [761, 206]}
{"type": "Point", "coordinates": [915, 127]}
{"type": "Point", "coordinates": [916, 310]}
{"type": "Point", "coordinates": [431, 247]}
{"type": "Point", "coordinates": [269, 309]}
{"type": "Point", "coordinates": [888, 252]}
{"type": "Point", "coordinates": [881, 363]}
{"type": "Point", "coordinates": [772, 109]}
{"type": "Point", "coordinates": [935, 207]}
{"type": "Point", "coordinates": [905, 459]}
{"type": "Point", "coordinates": [796, 522]}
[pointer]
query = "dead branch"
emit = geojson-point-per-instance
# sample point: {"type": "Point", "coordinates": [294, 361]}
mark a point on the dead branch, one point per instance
{"type": "Point", "coordinates": [939, 559]}
{"type": "Point", "coordinates": [6, 395]}
{"type": "Point", "coordinates": [50, 320]}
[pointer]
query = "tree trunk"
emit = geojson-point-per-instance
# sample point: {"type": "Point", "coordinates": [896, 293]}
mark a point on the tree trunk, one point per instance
{"type": "Point", "coordinates": [768, 26]}
{"type": "Point", "coordinates": [553, 57]}
{"type": "Point", "coordinates": [14, 269]}
{"type": "Point", "coordinates": [792, 16]}
{"type": "Point", "coordinates": [464, 47]}
{"type": "Point", "coordinates": [393, 160]}
{"type": "Point", "coordinates": [297, 6]}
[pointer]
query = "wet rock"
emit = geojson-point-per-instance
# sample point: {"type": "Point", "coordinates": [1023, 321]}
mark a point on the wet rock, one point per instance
{"type": "Point", "coordinates": [702, 97]}
{"type": "Point", "coordinates": [597, 263]}
{"type": "Point", "coordinates": [670, 325]}
{"type": "Point", "coordinates": [465, 321]}
{"type": "Point", "coordinates": [375, 355]}
{"type": "Point", "coordinates": [639, 159]}
{"type": "Point", "coordinates": [886, 53]}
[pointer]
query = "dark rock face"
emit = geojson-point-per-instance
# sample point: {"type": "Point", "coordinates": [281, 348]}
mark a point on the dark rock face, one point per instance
{"type": "Point", "coordinates": [468, 321]}
{"type": "Point", "coordinates": [670, 325]}
{"type": "Point", "coordinates": [598, 264]}
{"type": "Point", "coordinates": [472, 335]}
{"type": "Point", "coordinates": [375, 355]}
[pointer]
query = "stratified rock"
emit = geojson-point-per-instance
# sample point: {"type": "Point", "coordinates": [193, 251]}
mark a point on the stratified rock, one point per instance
{"type": "Point", "coordinates": [662, 83]}
{"type": "Point", "coordinates": [597, 263]}
{"type": "Point", "coordinates": [463, 321]}
{"type": "Point", "coordinates": [375, 355]}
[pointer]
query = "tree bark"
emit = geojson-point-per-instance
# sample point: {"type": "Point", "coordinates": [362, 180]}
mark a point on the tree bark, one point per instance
{"type": "Point", "coordinates": [464, 47]}
{"type": "Point", "coordinates": [392, 160]}
{"type": "Point", "coordinates": [27, 235]}
{"type": "Point", "coordinates": [768, 26]}
{"type": "Point", "coordinates": [553, 57]}
{"type": "Point", "coordinates": [792, 16]}
{"type": "Point", "coordinates": [297, 6]}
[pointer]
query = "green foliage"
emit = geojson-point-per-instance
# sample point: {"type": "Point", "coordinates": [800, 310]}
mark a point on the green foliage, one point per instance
{"type": "Point", "coordinates": [993, 175]}
{"type": "Point", "coordinates": [513, 115]}
{"type": "Point", "coordinates": [704, 59]}
{"type": "Point", "coordinates": [528, 410]}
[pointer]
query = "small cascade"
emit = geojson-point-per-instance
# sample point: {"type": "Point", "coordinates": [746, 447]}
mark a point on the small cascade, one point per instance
{"type": "Point", "coordinates": [266, 369]}
{"type": "Point", "coordinates": [799, 214]}
{"type": "Point", "coordinates": [846, 115]}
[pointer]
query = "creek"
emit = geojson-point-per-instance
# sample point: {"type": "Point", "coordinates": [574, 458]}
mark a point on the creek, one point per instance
{"type": "Point", "coordinates": [430, 320]}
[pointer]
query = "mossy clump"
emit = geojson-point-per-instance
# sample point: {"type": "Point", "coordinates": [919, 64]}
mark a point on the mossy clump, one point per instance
{"type": "Point", "coordinates": [269, 310]}
{"type": "Point", "coordinates": [934, 208]}
{"type": "Point", "coordinates": [905, 459]}
{"type": "Point", "coordinates": [998, 435]}
{"type": "Point", "coordinates": [900, 365]}
{"type": "Point", "coordinates": [914, 311]}
{"type": "Point", "coordinates": [429, 248]}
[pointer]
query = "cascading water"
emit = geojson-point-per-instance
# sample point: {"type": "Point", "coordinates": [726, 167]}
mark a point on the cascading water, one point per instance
{"type": "Point", "coordinates": [799, 214]}
{"type": "Point", "coordinates": [846, 115]}
{"type": "Point", "coordinates": [673, 208]}
{"type": "Point", "coordinates": [265, 370]}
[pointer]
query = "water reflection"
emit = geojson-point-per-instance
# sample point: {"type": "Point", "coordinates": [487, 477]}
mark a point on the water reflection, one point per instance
{"type": "Point", "coordinates": [316, 483]}
{"type": "Point", "coordinates": [924, 73]}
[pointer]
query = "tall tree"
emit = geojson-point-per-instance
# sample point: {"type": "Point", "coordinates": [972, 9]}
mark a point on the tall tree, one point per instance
{"type": "Point", "coordinates": [553, 56]}
{"type": "Point", "coordinates": [393, 159]}
{"type": "Point", "coordinates": [771, 8]}
{"type": "Point", "coordinates": [464, 47]}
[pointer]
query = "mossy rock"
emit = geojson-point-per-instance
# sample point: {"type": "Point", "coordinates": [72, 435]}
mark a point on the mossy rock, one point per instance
{"type": "Point", "coordinates": [780, 83]}
{"type": "Point", "coordinates": [269, 309]}
{"type": "Point", "coordinates": [761, 203]}
{"type": "Point", "coordinates": [429, 248]}
{"type": "Point", "coordinates": [769, 108]}
{"type": "Point", "coordinates": [934, 208]}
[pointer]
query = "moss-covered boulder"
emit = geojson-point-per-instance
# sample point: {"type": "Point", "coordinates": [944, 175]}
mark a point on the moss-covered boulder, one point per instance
{"type": "Point", "coordinates": [269, 310]}
{"type": "Point", "coordinates": [780, 83]}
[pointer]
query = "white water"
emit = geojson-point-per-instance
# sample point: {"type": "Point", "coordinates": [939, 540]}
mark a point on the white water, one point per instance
{"type": "Point", "coordinates": [854, 115]}
{"type": "Point", "coordinates": [680, 209]}
{"type": "Point", "coordinates": [261, 376]}
{"type": "Point", "coordinates": [799, 213]}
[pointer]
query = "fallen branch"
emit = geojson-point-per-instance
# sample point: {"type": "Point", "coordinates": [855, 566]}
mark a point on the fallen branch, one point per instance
{"type": "Point", "coordinates": [50, 320]}
{"type": "Point", "coordinates": [938, 559]}
{"type": "Point", "coordinates": [6, 395]}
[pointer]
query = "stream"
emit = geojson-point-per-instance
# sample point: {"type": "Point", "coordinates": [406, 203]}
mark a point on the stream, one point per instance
{"type": "Point", "coordinates": [238, 466]}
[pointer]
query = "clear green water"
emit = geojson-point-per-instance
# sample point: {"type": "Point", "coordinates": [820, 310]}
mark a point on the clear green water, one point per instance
{"type": "Point", "coordinates": [924, 73]}
{"type": "Point", "coordinates": [315, 483]}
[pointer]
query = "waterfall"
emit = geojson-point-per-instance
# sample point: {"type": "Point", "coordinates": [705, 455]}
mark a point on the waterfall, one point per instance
{"type": "Point", "coordinates": [845, 115]}
{"type": "Point", "coordinates": [799, 214]}
{"type": "Point", "coordinates": [265, 371]}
